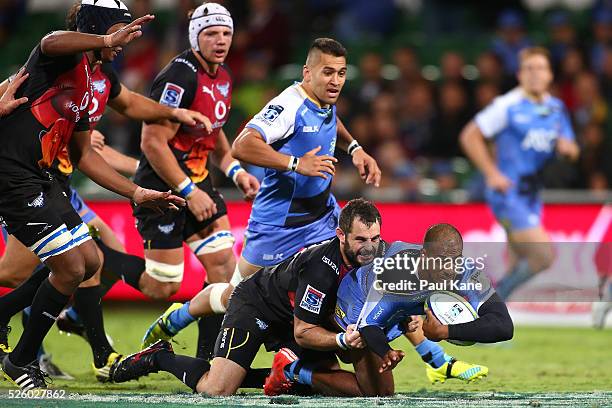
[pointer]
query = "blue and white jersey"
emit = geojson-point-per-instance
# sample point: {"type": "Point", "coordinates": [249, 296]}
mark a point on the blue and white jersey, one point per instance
{"type": "Point", "coordinates": [359, 300]}
{"type": "Point", "coordinates": [525, 132]}
{"type": "Point", "coordinates": [293, 124]}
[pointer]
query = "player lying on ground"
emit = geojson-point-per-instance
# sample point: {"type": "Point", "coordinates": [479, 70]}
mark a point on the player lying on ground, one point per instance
{"type": "Point", "coordinates": [297, 131]}
{"type": "Point", "coordinates": [382, 316]}
{"type": "Point", "coordinates": [287, 304]}
{"type": "Point", "coordinates": [528, 127]}
{"type": "Point", "coordinates": [33, 206]}
{"type": "Point", "coordinates": [18, 262]}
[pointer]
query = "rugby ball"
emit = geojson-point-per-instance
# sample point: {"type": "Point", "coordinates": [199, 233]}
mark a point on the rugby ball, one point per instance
{"type": "Point", "coordinates": [450, 308]}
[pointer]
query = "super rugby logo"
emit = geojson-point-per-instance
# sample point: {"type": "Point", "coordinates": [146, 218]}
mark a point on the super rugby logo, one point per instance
{"type": "Point", "coordinates": [312, 300]}
{"type": "Point", "coordinates": [273, 112]}
{"type": "Point", "coordinates": [172, 95]}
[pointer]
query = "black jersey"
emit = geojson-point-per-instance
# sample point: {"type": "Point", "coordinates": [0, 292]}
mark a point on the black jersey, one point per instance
{"type": "Point", "coordinates": [59, 92]}
{"type": "Point", "coordinates": [304, 285]}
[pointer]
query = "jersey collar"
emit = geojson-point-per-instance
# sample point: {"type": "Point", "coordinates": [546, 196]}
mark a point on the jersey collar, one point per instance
{"type": "Point", "coordinates": [303, 92]}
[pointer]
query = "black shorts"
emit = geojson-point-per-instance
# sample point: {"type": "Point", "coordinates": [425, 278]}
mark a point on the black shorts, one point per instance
{"type": "Point", "coordinates": [245, 329]}
{"type": "Point", "coordinates": [43, 219]}
{"type": "Point", "coordinates": [171, 229]}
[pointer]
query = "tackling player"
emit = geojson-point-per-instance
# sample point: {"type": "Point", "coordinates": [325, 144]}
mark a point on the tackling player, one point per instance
{"type": "Point", "coordinates": [528, 127]}
{"type": "Point", "coordinates": [33, 206]}
{"type": "Point", "coordinates": [289, 303]}
{"type": "Point", "coordinates": [382, 316]}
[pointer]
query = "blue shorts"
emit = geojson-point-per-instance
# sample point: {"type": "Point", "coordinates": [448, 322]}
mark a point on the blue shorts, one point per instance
{"type": "Point", "coordinates": [267, 245]}
{"type": "Point", "coordinates": [515, 211]}
{"type": "Point", "coordinates": [86, 213]}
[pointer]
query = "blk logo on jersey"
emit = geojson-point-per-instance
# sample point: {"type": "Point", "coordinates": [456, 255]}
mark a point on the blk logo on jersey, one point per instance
{"type": "Point", "coordinates": [172, 95]}
{"type": "Point", "coordinates": [273, 112]}
{"type": "Point", "coordinates": [312, 300]}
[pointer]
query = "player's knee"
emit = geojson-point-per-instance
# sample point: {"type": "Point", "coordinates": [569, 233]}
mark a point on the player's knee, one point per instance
{"type": "Point", "coordinates": [217, 298]}
{"type": "Point", "coordinates": [541, 258]}
{"type": "Point", "coordinates": [216, 389]}
{"type": "Point", "coordinates": [92, 264]}
{"type": "Point", "coordinates": [161, 291]}
{"type": "Point", "coordinates": [217, 248]}
{"type": "Point", "coordinates": [73, 273]}
{"type": "Point", "coordinates": [161, 272]}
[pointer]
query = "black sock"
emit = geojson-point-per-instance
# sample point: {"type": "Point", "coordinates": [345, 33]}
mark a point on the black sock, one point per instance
{"type": "Point", "coordinates": [187, 369]}
{"type": "Point", "coordinates": [127, 267]}
{"type": "Point", "coordinates": [87, 304]}
{"type": "Point", "coordinates": [46, 306]}
{"type": "Point", "coordinates": [22, 296]}
{"type": "Point", "coordinates": [255, 378]}
{"type": "Point", "coordinates": [208, 331]}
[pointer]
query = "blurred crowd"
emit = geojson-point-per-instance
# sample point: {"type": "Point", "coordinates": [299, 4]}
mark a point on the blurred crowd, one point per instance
{"type": "Point", "coordinates": [406, 111]}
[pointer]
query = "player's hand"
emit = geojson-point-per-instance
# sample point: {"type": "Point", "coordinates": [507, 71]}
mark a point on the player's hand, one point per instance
{"type": "Point", "coordinates": [128, 33]}
{"type": "Point", "coordinates": [433, 329]}
{"type": "Point", "coordinates": [568, 149]}
{"type": "Point", "coordinates": [391, 360]}
{"type": "Point", "coordinates": [353, 337]}
{"type": "Point", "coordinates": [248, 184]}
{"type": "Point", "coordinates": [316, 166]}
{"type": "Point", "coordinates": [8, 103]}
{"type": "Point", "coordinates": [498, 182]}
{"type": "Point", "coordinates": [367, 167]}
{"type": "Point", "coordinates": [413, 324]}
{"type": "Point", "coordinates": [97, 140]}
{"type": "Point", "coordinates": [201, 205]}
{"type": "Point", "coordinates": [157, 200]}
{"type": "Point", "coordinates": [191, 118]}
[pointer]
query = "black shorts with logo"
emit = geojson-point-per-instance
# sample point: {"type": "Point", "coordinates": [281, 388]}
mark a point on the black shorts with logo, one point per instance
{"type": "Point", "coordinates": [170, 229]}
{"type": "Point", "coordinates": [245, 329]}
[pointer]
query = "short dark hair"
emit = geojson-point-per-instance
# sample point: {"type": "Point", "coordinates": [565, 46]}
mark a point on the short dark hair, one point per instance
{"type": "Point", "coordinates": [443, 240]}
{"type": "Point", "coordinates": [358, 208]}
{"type": "Point", "coordinates": [328, 46]}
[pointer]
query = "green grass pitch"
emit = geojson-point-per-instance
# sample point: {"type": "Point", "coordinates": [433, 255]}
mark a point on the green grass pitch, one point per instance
{"type": "Point", "coordinates": [541, 367]}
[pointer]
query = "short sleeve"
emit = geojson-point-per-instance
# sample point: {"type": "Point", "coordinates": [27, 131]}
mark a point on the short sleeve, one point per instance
{"type": "Point", "coordinates": [493, 119]}
{"type": "Point", "coordinates": [276, 120]}
{"type": "Point", "coordinates": [175, 86]}
{"type": "Point", "coordinates": [315, 295]}
{"type": "Point", "coordinates": [115, 84]}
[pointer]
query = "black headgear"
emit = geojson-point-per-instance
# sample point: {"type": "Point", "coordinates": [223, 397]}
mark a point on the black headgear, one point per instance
{"type": "Point", "coordinates": [97, 16]}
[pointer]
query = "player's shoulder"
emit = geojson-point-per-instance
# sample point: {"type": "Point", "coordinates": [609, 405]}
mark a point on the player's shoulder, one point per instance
{"type": "Point", "coordinates": [185, 61]}
{"type": "Point", "coordinates": [401, 246]}
{"type": "Point", "coordinates": [289, 100]}
{"type": "Point", "coordinates": [182, 68]}
{"type": "Point", "coordinates": [509, 99]}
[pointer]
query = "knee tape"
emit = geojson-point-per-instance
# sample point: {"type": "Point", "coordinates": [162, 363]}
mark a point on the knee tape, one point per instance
{"type": "Point", "coordinates": [216, 297]}
{"type": "Point", "coordinates": [213, 243]}
{"type": "Point", "coordinates": [163, 272]}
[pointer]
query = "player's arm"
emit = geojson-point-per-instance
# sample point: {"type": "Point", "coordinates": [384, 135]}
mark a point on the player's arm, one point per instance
{"type": "Point", "coordinates": [95, 167]}
{"type": "Point", "coordinates": [315, 337]}
{"type": "Point", "coordinates": [60, 43]}
{"type": "Point", "coordinates": [366, 165]}
{"type": "Point", "coordinates": [251, 147]}
{"type": "Point", "coordinates": [566, 142]}
{"type": "Point", "coordinates": [118, 161]}
{"type": "Point", "coordinates": [140, 108]}
{"type": "Point", "coordinates": [222, 158]}
{"type": "Point", "coordinates": [494, 324]}
{"type": "Point", "coordinates": [473, 142]}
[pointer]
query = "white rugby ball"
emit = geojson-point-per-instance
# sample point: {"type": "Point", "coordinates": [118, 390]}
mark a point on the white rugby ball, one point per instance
{"type": "Point", "coordinates": [450, 308]}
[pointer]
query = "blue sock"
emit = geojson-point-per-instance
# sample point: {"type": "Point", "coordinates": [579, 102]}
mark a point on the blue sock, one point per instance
{"type": "Point", "coordinates": [72, 313]}
{"type": "Point", "coordinates": [297, 372]}
{"type": "Point", "coordinates": [180, 318]}
{"type": "Point", "coordinates": [515, 278]}
{"type": "Point", "coordinates": [432, 353]}
{"type": "Point", "coordinates": [24, 319]}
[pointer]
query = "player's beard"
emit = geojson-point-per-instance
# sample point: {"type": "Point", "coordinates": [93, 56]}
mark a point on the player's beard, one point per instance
{"type": "Point", "coordinates": [366, 253]}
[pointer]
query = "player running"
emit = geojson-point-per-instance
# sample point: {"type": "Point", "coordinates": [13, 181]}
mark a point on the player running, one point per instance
{"type": "Point", "coordinates": [18, 262]}
{"type": "Point", "coordinates": [294, 137]}
{"type": "Point", "coordinates": [33, 206]}
{"type": "Point", "coordinates": [289, 303]}
{"type": "Point", "coordinates": [528, 127]}
{"type": "Point", "coordinates": [382, 316]}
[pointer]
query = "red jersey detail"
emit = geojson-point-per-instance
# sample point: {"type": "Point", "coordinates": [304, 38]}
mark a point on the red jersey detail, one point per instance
{"type": "Point", "coordinates": [291, 298]}
{"type": "Point", "coordinates": [60, 108]}
{"type": "Point", "coordinates": [100, 93]}
{"type": "Point", "coordinates": [213, 99]}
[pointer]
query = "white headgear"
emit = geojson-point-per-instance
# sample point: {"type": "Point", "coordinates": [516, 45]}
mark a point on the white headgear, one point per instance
{"type": "Point", "coordinates": [208, 15]}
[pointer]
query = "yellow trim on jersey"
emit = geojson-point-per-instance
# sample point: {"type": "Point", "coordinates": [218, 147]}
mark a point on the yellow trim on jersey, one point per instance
{"type": "Point", "coordinates": [303, 92]}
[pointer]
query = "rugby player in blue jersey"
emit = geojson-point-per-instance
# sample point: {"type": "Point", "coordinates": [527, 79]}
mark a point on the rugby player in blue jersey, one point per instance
{"type": "Point", "coordinates": [528, 127]}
